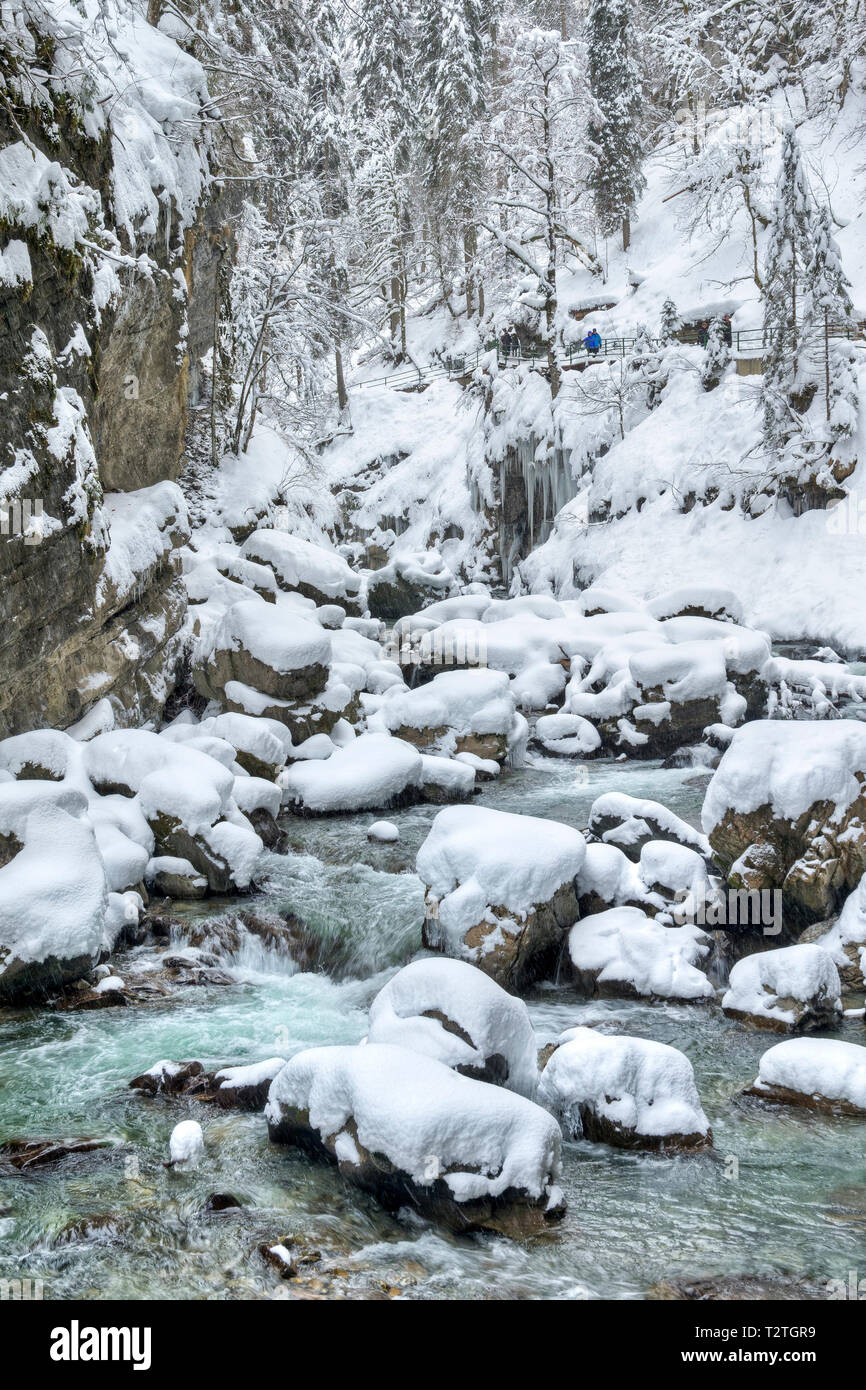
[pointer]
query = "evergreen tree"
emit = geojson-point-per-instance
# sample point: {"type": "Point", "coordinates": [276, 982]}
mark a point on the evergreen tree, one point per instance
{"type": "Point", "coordinates": [450, 81]}
{"type": "Point", "coordinates": [669, 322]}
{"type": "Point", "coordinates": [717, 354]}
{"type": "Point", "coordinates": [827, 303]}
{"type": "Point", "coordinates": [616, 180]}
{"type": "Point", "coordinates": [789, 254]}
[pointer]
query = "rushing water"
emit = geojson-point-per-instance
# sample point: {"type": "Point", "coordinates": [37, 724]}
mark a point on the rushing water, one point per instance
{"type": "Point", "coordinates": [783, 1192]}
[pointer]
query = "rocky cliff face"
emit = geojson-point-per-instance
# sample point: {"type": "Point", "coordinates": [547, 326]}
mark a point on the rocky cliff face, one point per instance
{"type": "Point", "coordinates": [93, 389]}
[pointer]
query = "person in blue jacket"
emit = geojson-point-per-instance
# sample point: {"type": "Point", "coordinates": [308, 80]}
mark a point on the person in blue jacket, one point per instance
{"type": "Point", "coordinates": [592, 342]}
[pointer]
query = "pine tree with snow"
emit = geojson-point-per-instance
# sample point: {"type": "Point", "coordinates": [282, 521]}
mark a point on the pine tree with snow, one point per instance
{"type": "Point", "coordinates": [827, 304]}
{"type": "Point", "coordinates": [450, 86]}
{"type": "Point", "coordinates": [616, 180]}
{"type": "Point", "coordinates": [669, 322]}
{"type": "Point", "coordinates": [789, 253]}
{"type": "Point", "coordinates": [717, 354]}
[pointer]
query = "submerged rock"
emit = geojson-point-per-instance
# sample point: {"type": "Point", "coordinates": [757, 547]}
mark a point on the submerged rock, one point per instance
{"type": "Point", "coordinates": [24, 1154]}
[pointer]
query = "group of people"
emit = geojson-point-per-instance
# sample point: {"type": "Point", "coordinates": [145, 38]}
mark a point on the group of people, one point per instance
{"type": "Point", "coordinates": [704, 331]}
{"type": "Point", "coordinates": [509, 344]}
{"type": "Point", "coordinates": [592, 342]}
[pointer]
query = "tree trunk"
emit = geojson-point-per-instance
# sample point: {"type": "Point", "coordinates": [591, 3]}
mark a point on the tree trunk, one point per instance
{"type": "Point", "coordinates": [626, 232]}
{"type": "Point", "coordinates": [342, 393]}
{"type": "Point", "coordinates": [470, 246]}
{"type": "Point", "coordinates": [394, 307]}
{"type": "Point", "coordinates": [154, 11]}
{"type": "Point", "coordinates": [827, 361]}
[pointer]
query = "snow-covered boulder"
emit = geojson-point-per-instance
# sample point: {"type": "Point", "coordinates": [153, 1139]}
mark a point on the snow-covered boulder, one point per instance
{"type": "Point", "coordinates": [449, 1010]}
{"type": "Point", "coordinates": [407, 583]}
{"type": "Point", "coordinates": [311, 570]}
{"type": "Point", "coordinates": [185, 796]}
{"type": "Point", "coordinates": [566, 736]}
{"type": "Point", "coordinates": [53, 903]}
{"type": "Point", "coordinates": [170, 877]}
{"type": "Point", "coordinates": [629, 1092]}
{"type": "Point", "coordinates": [383, 832]}
{"type": "Point", "coordinates": [697, 601]}
{"type": "Point", "coordinates": [786, 809]}
{"type": "Point", "coordinates": [629, 822]}
{"type": "Point", "coordinates": [19, 799]}
{"type": "Point", "coordinates": [415, 1133]}
{"type": "Point", "coordinates": [374, 772]}
{"type": "Point", "coordinates": [500, 890]}
{"type": "Point", "coordinates": [246, 1087]}
{"type": "Point", "coordinates": [845, 941]}
{"type": "Point", "coordinates": [674, 871]}
{"type": "Point", "coordinates": [444, 780]}
{"type": "Point", "coordinates": [270, 648]}
{"type": "Point", "coordinates": [608, 879]}
{"type": "Point", "coordinates": [626, 954]}
{"type": "Point", "coordinates": [259, 749]}
{"type": "Point", "coordinates": [792, 989]}
{"type": "Point", "coordinates": [456, 712]}
{"type": "Point", "coordinates": [818, 1073]}
{"type": "Point", "coordinates": [186, 1144]}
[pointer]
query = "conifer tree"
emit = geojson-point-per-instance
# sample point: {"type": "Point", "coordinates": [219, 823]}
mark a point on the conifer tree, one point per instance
{"type": "Point", "coordinates": [616, 180]}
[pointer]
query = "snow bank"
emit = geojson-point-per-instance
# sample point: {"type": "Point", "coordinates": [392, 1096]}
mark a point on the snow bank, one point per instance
{"type": "Point", "coordinates": [448, 1010]}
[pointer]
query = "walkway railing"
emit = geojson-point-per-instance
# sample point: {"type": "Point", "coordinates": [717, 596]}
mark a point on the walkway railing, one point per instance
{"type": "Point", "coordinates": [748, 342]}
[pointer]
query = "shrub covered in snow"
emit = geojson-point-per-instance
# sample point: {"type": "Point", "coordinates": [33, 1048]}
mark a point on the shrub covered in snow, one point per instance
{"type": "Point", "coordinates": [787, 990]}
{"type": "Point", "coordinates": [500, 889]}
{"type": "Point", "coordinates": [413, 1132]}
{"type": "Point", "coordinates": [449, 1010]}
{"type": "Point", "coordinates": [630, 1092]}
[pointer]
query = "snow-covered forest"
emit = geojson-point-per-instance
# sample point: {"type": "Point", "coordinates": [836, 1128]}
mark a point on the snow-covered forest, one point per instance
{"type": "Point", "coordinates": [433, 714]}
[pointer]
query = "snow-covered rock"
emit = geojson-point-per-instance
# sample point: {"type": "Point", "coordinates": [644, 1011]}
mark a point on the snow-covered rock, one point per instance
{"type": "Point", "coordinates": [311, 570]}
{"type": "Point", "coordinates": [383, 831]}
{"type": "Point", "coordinates": [456, 712]}
{"type": "Point", "coordinates": [629, 1092]}
{"type": "Point", "coordinates": [445, 779]}
{"type": "Point", "coordinates": [414, 1132]}
{"type": "Point", "coordinates": [246, 1087]}
{"type": "Point", "coordinates": [269, 648]}
{"type": "Point", "coordinates": [374, 772]}
{"type": "Point", "coordinates": [174, 878]}
{"type": "Point", "coordinates": [786, 809]}
{"type": "Point", "coordinates": [630, 821]}
{"type": "Point", "coordinates": [792, 989]}
{"type": "Point", "coordinates": [449, 1010]}
{"type": "Point", "coordinates": [846, 939]}
{"type": "Point", "coordinates": [186, 1144]}
{"type": "Point", "coordinates": [566, 735]}
{"type": "Point", "coordinates": [53, 903]}
{"type": "Point", "coordinates": [819, 1073]}
{"type": "Point", "coordinates": [500, 890]}
{"type": "Point", "coordinates": [624, 953]}
{"type": "Point", "coordinates": [608, 879]}
{"type": "Point", "coordinates": [406, 583]}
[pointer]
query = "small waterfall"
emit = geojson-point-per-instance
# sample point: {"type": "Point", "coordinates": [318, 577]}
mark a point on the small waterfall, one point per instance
{"type": "Point", "coordinates": [535, 482]}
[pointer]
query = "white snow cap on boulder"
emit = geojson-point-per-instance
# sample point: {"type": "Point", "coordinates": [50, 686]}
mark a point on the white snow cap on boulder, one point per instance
{"type": "Point", "coordinates": [372, 772]}
{"type": "Point", "coordinates": [702, 600]}
{"type": "Point", "coordinates": [460, 702]}
{"type": "Point", "coordinates": [186, 1144]}
{"type": "Point", "coordinates": [817, 1071]}
{"type": "Point", "coordinates": [623, 1090]}
{"type": "Point", "coordinates": [788, 988]}
{"type": "Point", "coordinates": [624, 952]}
{"type": "Point", "coordinates": [788, 765]}
{"type": "Point", "coordinates": [846, 939]}
{"type": "Point", "coordinates": [298, 564]}
{"type": "Point", "coordinates": [449, 1010]}
{"type": "Point", "coordinates": [487, 1142]}
{"type": "Point", "coordinates": [53, 902]}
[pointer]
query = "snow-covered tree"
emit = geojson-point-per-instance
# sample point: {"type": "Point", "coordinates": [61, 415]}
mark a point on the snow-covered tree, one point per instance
{"type": "Point", "coordinates": [717, 354]}
{"type": "Point", "coordinates": [616, 178]}
{"type": "Point", "coordinates": [669, 322]}
{"type": "Point", "coordinates": [827, 303]}
{"type": "Point", "coordinates": [789, 254]}
{"type": "Point", "coordinates": [450, 89]}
